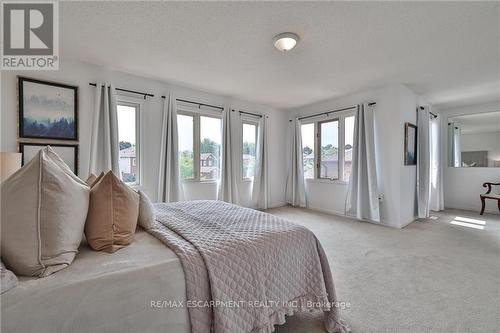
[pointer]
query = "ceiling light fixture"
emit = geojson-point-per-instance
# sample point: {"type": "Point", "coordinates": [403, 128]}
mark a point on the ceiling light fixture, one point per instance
{"type": "Point", "coordinates": [285, 41]}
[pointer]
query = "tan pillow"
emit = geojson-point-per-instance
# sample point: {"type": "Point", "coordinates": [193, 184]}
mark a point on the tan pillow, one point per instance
{"type": "Point", "coordinates": [112, 216]}
{"type": "Point", "coordinates": [93, 179]}
{"type": "Point", "coordinates": [147, 214]}
{"type": "Point", "coordinates": [44, 206]}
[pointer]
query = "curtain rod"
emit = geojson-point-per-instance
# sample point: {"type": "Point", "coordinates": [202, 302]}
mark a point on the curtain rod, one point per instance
{"type": "Point", "coordinates": [249, 113]}
{"type": "Point", "coordinates": [196, 103]}
{"type": "Point", "coordinates": [432, 114]}
{"type": "Point", "coordinates": [332, 111]}
{"type": "Point", "coordinates": [126, 90]}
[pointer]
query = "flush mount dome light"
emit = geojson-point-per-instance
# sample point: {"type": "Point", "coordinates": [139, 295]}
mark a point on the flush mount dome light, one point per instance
{"type": "Point", "coordinates": [285, 41]}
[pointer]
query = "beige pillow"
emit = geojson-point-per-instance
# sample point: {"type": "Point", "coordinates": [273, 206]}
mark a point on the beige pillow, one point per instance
{"type": "Point", "coordinates": [93, 179]}
{"type": "Point", "coordinates": [147, 214]}
{"type": "Point", "coordinates": [112, 216]}
{"type": "Point", "coordinates": [44, 206]}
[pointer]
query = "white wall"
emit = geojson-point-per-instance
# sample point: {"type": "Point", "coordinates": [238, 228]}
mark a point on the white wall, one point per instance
{"type": "Point", "coordinates": [396, 104]}
{"type": "Point", "coordinates": [80, 74]}
{"type": "Point", "coordinates": [462, 186]}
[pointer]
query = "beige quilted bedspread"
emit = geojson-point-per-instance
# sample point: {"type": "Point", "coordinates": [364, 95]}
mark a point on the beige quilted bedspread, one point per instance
{"type": "Point", "coordinates": [245, 270]}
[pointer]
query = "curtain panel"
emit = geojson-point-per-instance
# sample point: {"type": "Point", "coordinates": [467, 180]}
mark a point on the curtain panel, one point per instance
{"type": "Point", "coordinates": [260, 190]}
{"type": "Point", "coordinates": [104, 145]}
{"type": "Point", "coordinates": [295, 187]}
{"type": "Point", "coordinates": [169, 183]}
{"type": "Point", "coordinates": [362, 194]}
{"type": "Point", "coordinates": [230, 175]}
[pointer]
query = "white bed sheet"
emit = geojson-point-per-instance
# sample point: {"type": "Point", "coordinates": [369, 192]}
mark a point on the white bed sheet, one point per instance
{"type": "Point", "coordinates": [102, 292]}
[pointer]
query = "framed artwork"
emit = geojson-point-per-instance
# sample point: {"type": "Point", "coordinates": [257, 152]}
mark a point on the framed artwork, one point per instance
{"type": "Point", "coordinates": [67, 152]}
{"type": "Point", "coordinates": [410, 144]}
{"type": "Point", "coordinates": [47, 110]}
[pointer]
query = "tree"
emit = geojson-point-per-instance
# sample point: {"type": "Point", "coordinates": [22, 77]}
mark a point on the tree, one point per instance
{"type": "Point", "coordinates": [209, 146]}
{"type": "Point", "coordinates": [248, 148]}
{"type": "Point", "coordinates": [348, 146]}
{"type": "Point", "coordinates": [125, 145]}
{"type": "Point", "coordinates": [307, 150]}
{"type": "Point", "coordinates": [186, 165]}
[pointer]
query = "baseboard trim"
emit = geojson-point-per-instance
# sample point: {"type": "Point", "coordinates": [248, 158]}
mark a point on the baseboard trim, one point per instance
{"type": "Point", "coordinates": [341, 214]}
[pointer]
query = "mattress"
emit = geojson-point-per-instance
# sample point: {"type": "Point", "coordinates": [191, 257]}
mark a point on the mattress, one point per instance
{"type": "Point", "coordinates": [103, 292]}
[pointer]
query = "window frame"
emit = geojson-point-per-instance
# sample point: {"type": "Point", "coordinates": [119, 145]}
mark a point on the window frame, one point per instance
{"type": "Point", "coordinates": [138, 104]}
{"type": "Point", "coordinates": [317, 121]}
{"type": "Point", "coordinates": [197, 113]}
{"type": "Point", "coordinates": [248, 120]}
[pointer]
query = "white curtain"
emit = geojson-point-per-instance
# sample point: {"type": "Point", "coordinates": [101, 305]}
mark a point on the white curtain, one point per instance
{"type": "Point", "coordinates": [230, 175]}
{"type": "Point", "coordinates": [104, 145]}
{"type": "Point", "coordinates": [437, 189]}
{"type": "Point", "coordinates": [424, 158]}
{"type": "Point", "coordinates": [169, 186]}
{"type": "Point", "coordinates": [260, 189]}
{"type": "Point", "coordinates": [295, 187]}
{"type": "Point", "coordinates": [362, 195]}
{"type": "Point", "coordinates": [454, 144]}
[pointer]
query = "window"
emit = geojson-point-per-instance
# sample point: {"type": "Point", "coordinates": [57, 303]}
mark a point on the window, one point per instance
{"type": "Point", "coordinates": [327, 147]}
{"type": "Point", "coordinates": [200, 141]}
{"type": "Point", "coordinates": [128, 137]}
{"type": "Point", "coordinates": [248, 151]}
{"type": "Point", "coordinates": [308, 149]}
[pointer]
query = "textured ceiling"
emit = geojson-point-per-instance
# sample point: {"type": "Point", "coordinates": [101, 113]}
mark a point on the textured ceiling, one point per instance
{"type": "Point", "coordinates": [449, 52]}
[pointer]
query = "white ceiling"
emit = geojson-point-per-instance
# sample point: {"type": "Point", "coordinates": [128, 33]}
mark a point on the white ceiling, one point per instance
{"type": "Point", "coordinates": [447, 51]}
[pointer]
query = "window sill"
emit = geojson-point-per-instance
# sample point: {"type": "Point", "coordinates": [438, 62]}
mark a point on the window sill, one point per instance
{"type": "Point", "coordinates": [327, 181]}
{"type": "Point", "coordinates": [193, 181]}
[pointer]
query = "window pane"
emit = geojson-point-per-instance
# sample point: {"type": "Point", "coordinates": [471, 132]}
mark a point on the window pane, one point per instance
{"type": "Point", "coordinates": [249, 139]}
{"type": "Point", "coordinates": [186, 147]}
{"type": "Point", "coordinates": [127, 138]}
{"type": "Point", "coordinates": [210, 146]}
{"type": "Point", "coordinates": [329, 164]}
{"type": "Point", "coordinates": [308, 149]}
{"type": "Point", "coordinates": [349, 141]}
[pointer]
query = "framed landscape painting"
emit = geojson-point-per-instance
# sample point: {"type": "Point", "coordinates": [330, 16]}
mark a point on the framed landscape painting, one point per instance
{"type": "Point", "coordinates": [68, 153]}
{"type": "Point", "coordinates": [47, 110]}
{"type": "Point", "coordinates": [410, 144]}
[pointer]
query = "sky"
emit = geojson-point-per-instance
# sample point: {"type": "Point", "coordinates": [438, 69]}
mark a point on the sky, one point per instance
{"type": "Point", "coordinates": [126, 123]}
{"type": "Point", "coordinates": [328, 136]}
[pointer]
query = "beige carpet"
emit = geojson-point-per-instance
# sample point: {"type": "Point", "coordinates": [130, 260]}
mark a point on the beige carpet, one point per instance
{"type": "Point", "coordinates": [431, 276]}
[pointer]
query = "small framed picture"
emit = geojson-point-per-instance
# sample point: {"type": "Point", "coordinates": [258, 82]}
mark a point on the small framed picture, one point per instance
{"type": "Point", "coordinates": [410, 144]}
{"type": "Point", "coordinates": [47, 110]}
{"type": "Point", "coordinates": [67, 152]}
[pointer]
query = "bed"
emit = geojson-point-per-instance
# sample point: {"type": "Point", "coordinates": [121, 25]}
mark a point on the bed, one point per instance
{"type": "Point", "coordinates": [215, 252]}
{"type": "Point", "coordinates": [102, 292]}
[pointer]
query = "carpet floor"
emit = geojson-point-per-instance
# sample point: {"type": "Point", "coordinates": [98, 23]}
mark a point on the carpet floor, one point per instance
{"type": "Point", "coordinates": [435, 275]}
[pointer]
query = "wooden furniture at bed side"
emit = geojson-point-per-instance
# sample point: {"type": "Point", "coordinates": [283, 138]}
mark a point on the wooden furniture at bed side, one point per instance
{"type": "Point", "coordinates": [489, 195]}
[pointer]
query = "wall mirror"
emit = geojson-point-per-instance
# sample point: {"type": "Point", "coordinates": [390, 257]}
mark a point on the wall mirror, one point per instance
{"type": "Point", "coordinates": [474, 140]}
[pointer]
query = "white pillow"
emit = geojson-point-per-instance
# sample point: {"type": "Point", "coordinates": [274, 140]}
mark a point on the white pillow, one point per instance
{"type": "Point", "coordinates": [44, 207]}
{"type": "Point", "coordinates": [8, 280]}
{"type": "Point", "coordinates": [147, 214]}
